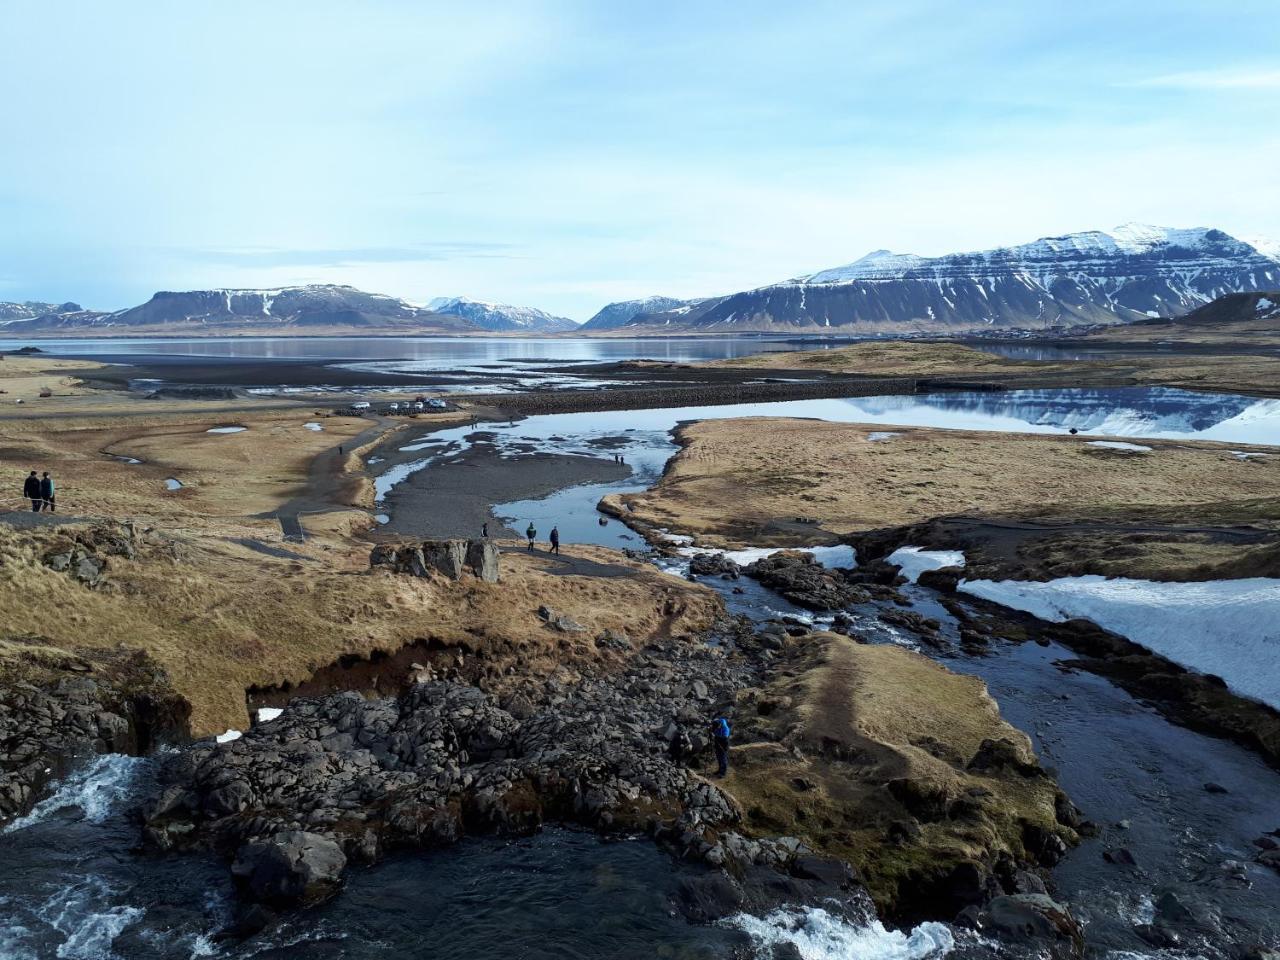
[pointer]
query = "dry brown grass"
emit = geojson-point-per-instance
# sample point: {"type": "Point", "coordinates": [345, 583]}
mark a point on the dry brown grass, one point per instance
{"type": "Point", "coordinates": [844, 720]}
{"type": "Point", "coordinates": [734, 479]}
{"type": "Point", "coordinates": [891, 358]}
{"type": "Point", "coordinates": [220, 617]}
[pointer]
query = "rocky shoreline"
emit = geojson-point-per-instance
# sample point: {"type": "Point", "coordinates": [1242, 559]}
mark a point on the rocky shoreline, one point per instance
{"type": "Point", "coordinates": [340, 779]}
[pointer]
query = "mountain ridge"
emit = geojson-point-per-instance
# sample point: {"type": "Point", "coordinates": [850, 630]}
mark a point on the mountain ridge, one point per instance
{"type": "Point", "coordinates": [1095, 277]}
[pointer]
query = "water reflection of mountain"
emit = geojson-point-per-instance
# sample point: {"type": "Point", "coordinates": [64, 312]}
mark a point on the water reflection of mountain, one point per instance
{"type": "Point", "coordinates": [1124, 411]}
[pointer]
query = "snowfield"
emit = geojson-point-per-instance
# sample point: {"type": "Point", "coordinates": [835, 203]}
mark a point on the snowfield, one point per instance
{"type": "Point", "coordinates": [1230, 628]}
{"type": "Point", "coordinates": [916, 560]}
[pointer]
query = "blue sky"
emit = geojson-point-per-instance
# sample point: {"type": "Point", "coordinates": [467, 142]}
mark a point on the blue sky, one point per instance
{"type": "Point", "coordinates": [564, 154]}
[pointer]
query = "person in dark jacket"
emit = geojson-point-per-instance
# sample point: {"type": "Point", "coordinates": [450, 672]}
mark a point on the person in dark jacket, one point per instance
{"type": "Point", "coordinates": [531, 533]}
{"type": "Point", "coordinates": [31, 490]}
{"type": "Point", "coordinates": [720, 733]}
{"type": "Point", "coordinates": [555, 539]}
{"type": "Point", "coordinates": [484, 529]}
{"type": "Point", "coordinates": [46, 491]}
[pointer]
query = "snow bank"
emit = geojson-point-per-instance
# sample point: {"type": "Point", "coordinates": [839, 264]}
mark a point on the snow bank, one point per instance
{"type": "Point", "coordinates": [916, 560]}
{"type": "Point", "coordinates": [269, 713]}
{"type": "Point", "coordinates": [1120, 445]}
{"type": "Point", "coordinates": [1230, 628]}
{"type": "Point", "coordinates": [815, 934]}
{"type": "Point", "coordinates": [229, 736]}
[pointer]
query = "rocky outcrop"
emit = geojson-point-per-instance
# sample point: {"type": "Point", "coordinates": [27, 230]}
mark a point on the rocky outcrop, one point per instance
{"type": "Point", "coordinates": [82, 554]}
{"type": "Point", "coordinates": [46, 730]}
{"type": "Point", "coordinates": [290, 867]}
{"type": "Point", "coordinates": [446, 759]}
{"type": "Point", "coordinates": [616, 750]}
{"type": "Point", "coordinates": [448, 557]}
{"type": "Point", "coordinates": [805, 582]}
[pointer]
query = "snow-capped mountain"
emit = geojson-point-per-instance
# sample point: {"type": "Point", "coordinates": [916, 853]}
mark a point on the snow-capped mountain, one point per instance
{"type": "Point", "coordinates": [624, 311]}
{"type": "Point", "coordinates": [316, 308]}
{"type": "Point", "coordinates": [500, 316]}
{"type": "Point", "coordinates": [30, 309]}
{"type": "Point", "coordinates": [1097, 277]}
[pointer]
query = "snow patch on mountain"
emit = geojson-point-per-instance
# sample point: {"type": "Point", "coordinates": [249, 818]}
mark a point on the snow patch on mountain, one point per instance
{"type": "Point", "coordinates": [499, 316]}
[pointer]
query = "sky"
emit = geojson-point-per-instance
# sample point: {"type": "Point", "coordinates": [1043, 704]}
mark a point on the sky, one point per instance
{"type": "Point", "coordinates": [567, 154]}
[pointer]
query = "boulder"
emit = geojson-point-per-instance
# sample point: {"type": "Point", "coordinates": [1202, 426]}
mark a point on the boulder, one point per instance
{"type": "Point", "coordinates": [447, 556]}
{"type": "Point", "coordinates": [290, 868]}
{"type": "Point", "coordinates": [482, 558]}
{"type": "Point", "coordinates": [1036, 920]}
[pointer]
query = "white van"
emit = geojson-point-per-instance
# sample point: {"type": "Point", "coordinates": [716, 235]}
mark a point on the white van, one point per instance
{"type": "Point", "coordinates": [417, 406]}
{"type": "Point", "coordinates": [362, 405]}
{"type": "Point", "coordinates": [393, 407]}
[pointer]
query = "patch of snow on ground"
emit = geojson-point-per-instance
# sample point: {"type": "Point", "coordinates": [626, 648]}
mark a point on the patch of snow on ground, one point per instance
{"type": "Point", "coordinates": [1230, 628]}
{"type": "Point", "coordinates": [269, 713]}
{"type": "Point", "coordinates": [313, 427]}
{"type": "Point", "coordinates": [1243, 455]}
{"type": "Point", "coordinates": [916, 560]}
{"type": "Point", "coordinates": [814, 934]}
{"type": "Point", "coordinates": [226, 430]}
{"type": "Point", "coordinates": [1119, 445]}
{"type": "Point", "coordinates": [229, 736]}
{"type": "Point", "coordinates": [877, 436]}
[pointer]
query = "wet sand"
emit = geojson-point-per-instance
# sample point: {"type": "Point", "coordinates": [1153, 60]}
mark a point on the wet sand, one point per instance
{"type": "Point", "coordinates": [454, 496]}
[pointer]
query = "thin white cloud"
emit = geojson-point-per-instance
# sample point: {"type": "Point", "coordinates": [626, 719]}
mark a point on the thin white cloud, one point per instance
{"type": "Point", "coordinates": [1261, 78]}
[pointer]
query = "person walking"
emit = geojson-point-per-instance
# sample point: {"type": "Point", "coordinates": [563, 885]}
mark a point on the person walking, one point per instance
{"type": "Point", "coordinates": [720, 734]}
{"type": "Point", "coordinates": [31, 490]}
{"type": "Point", "coordinates": [531, 533]}
{"type": "Point", "coordinates": [555, 540]}
{"type": "Point", "coordinates": [46, 492]}
{"type": "Point", "coordinates": [484, 530]}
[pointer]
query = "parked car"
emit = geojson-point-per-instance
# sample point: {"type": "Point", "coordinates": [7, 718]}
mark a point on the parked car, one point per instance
{"type": "Point", "coordinates": [393, 407]}
{"type": "Point", "coordinates": [435, 403]}
{"type": "Point", "coordinates": [362, 405]}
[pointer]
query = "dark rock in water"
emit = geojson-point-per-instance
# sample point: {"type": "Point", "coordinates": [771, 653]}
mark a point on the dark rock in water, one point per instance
{"type": "Point", "coordinates": [1120, 856]}
{"type": "Point", "coordinates": [291, 868]}
{"type": "Point", "coordinates": [1215, 788]}
{"type": "Point", "coordinates": [709, 898]}
{"type": "Point", "coordinates": [805, 582]}
{"type": "Point", "coordinates": [714, 565]}
{"type": "Point", "coordinates": [944, 580]}
{"type": "Point", "coordinates": [1037, 921]}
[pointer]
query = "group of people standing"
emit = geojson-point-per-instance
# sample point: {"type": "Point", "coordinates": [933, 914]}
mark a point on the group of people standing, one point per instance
{"type": "Point", "coordinates": [531, 534]}
{"type": "Point", "coordinates": [40, 491]}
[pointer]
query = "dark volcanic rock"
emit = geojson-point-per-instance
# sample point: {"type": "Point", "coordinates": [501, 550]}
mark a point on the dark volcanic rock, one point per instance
{"type": "Point", "coordinates": [805, 582]}
{"type": "Point", "coordinates": [46, 731]}
{"type": "Point", "coordinates": [291, 868]}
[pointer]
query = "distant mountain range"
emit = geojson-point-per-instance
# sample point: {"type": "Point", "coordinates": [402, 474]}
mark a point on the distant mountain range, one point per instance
{"type": "Point", "coordinates": [500, 316]}
{"type": "Point", "coordinates": [313, 309]}
{"type": "Point", "coordinates": [1124, 275]}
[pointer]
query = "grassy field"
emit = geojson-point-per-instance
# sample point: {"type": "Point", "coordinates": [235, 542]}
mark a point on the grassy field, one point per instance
{"type": "Point", "coordinates": [204, 597]}
{"type": "Point", "coordinates": [1229, 372]}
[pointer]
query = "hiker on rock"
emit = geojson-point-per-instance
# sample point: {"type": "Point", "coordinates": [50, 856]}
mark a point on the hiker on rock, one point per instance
{"type": "Point", "coordinates": [555, 540]}
{"type": "Point", "coordinates": [484, 530]}
{"type": "Point", "coordinates": [531, 533]}
{"type": "Point", "coordinates": [46, 492]}
{"type": "Point", "coordinates": [31, 490]}
{"type": "Point", "coordinates": [720, 734]}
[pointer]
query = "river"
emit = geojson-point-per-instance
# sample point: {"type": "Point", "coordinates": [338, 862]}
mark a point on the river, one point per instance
{"type": "Point", "coordinates": [75, 887]}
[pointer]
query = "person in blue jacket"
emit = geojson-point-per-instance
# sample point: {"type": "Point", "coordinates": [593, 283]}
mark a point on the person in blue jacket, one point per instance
{"type": "Point", "coordinates": [720, 733]}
